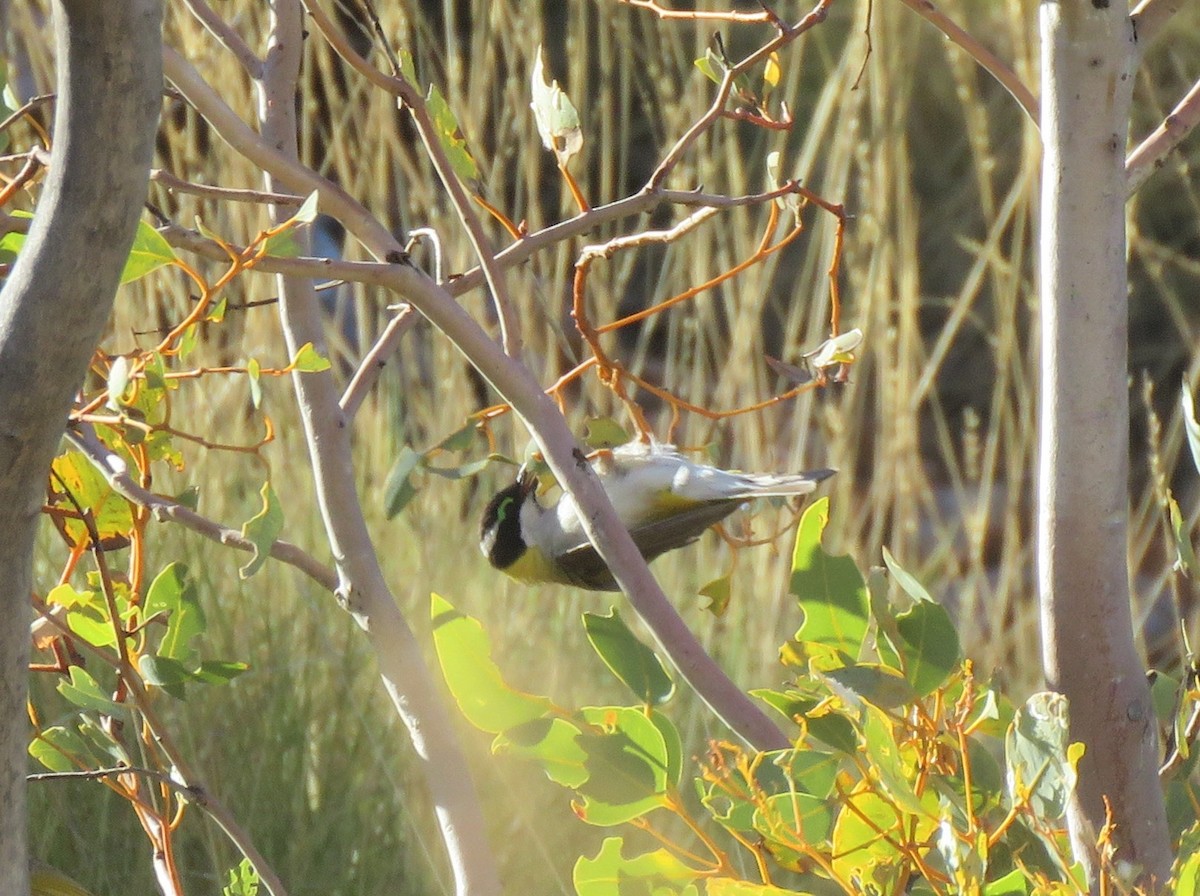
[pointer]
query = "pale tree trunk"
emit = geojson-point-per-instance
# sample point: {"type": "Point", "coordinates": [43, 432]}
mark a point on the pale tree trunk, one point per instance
{"type": "Point", "coordinates": [1088, 646]}
{"type": "Point", "coordinates": [52, 310]}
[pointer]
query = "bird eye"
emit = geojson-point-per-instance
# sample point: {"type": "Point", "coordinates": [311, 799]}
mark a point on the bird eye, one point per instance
{"type": "Point", "coordinates": [502, 510]}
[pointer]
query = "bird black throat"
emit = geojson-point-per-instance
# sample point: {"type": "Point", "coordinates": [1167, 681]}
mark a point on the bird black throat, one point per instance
{"type": "Point", "coordinates": [503, 513]}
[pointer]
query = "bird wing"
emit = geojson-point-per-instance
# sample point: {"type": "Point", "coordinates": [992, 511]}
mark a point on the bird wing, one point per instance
{"type": "Point", "coordinates": [586, 569]}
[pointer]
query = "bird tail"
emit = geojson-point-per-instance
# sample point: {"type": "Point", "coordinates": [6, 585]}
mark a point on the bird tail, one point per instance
{"type": "Point", "coordinates": [766, 485]}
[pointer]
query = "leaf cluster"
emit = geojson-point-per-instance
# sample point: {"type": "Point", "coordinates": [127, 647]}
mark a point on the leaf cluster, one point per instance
{"type": "Point", "coordinates": [906, 773]}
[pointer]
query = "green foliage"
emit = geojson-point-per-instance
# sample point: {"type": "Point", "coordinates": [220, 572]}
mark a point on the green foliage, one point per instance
{"type": "Point", "coordinates": [906, 773]}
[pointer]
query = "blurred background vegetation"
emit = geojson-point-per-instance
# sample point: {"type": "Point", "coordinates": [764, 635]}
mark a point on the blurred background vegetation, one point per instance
{"type": "Point", "coordinates": [934, 434]}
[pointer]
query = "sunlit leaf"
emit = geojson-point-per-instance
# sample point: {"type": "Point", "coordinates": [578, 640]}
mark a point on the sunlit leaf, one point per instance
{"type": "Point", "coordinates": [635, 664]}
{"type": "Point", "coordinates": [1036, 755]}
{"type": "Point", "coordinates": [550, 742]}
{"type": "Point", "coordinates": [398, 490]}
{"type": "Point", "coordinates": [150, 251]}
{"type": "Point", "coordinates": [611, 874]}
{"type": "Point", "coordinates": [262, 530]}
{"type": "Point", "coordinates": [173, 595]}
{"type": "Point", "coordinates": [451, 137]}
{"type": "Point", "coordinates": [465, 655]}
{"type": "Point", "coordinates": [308, 360]}
{"type": "Point", "coordinates": [83, 691]}
{"type": "Point", "coordinates": [829, 589]}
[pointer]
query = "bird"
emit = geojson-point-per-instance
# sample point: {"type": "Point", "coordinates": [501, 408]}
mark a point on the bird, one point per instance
{"type": "Point", "coordinates": [665, 501]}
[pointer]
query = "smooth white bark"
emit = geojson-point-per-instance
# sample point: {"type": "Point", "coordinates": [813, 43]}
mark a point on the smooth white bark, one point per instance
{"type": "Point", "coordinates": [1087, 631]}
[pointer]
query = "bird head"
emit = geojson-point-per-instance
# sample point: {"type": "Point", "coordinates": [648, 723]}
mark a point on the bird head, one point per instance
{"type": "Point", "coordinates": [500, 536]}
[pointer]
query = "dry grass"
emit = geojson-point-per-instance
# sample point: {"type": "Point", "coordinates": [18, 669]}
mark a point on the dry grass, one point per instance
{"type": "Point", "coordinates": [934, 436]}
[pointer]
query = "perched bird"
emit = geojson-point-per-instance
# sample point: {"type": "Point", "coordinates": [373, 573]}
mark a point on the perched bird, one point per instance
{"type": "Point", "coordinates": [665, 501]}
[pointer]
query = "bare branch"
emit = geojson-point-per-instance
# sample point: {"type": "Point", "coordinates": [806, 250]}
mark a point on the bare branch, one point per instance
{"type": "Point", "coordinates": [1150, 17]}
{"type": "Point", "coordinates": [410, 96]}
{"type": "Point", "coordinates": [218, 27]}
{"type": "Point", "coordinates": [1151, 153]}
{"type": "Point", "coordinates": [376, 359]}
{"type": "Point", "coordinates": [167, 510]}
{"type": "Point", "coordinates": [990, 62]}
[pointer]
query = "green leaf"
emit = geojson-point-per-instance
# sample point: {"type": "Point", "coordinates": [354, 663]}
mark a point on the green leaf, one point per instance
{"type": "Point", "coordinates": [1036, 755]}
{"type": "Point", "coordinates": [604, 432]}
{"type": "Point", "coordinates": [462, 471]}
{"type": "Point", "coordinates": [95, 631]}
{"type": "Point", "coordinates": [821, 722]}
{"type": "Point", "coordinates": [929, 646]}
{"type": "Point", "coordinates": [611, 874]}
{"type": "Point", "coordinates": [635, 664]}
{"type": "Point", "coordinates": [451, 138]}
{"type": "Point", "coordinates": [1185, 556]}
{"type": "Point", "coordinates": [262, 529]}
{"type": "Point", "coordinates": [111, 513]}
{"type": "Point", "coordinates": [84, 692]}
{"type": "Point", "coordinates": [1187, 864]}
{"type": "Point", "coordinates": [254, 373]}
{"type": "Point", "coordinates": [66, 596]}
{"type": "Point", "coordinates": [219, 671]}
{"type": "Point", "coordinates": [307, 213]}
{"type": "Point", "coordinates": [1015, 883]}
{"type": "Point", "coordinates": [830, 590]}
{"type": "Point", "coordinates": [399, 490]}
{"type": "Point", "coordinates": [307, 360]}
{"type": "Point", "coordinates": [895, 771]}
{"type": "Point", "coordinates": [60, 749]}
{"type": "Point", "coordinates": [718, 591]}
{"type": "Point", "coordinates": [187, 342]}
{"type": "Point", "coordinates": [150, 252]}
{"type": "Point", "coordinates": [928, 643]}
{"type": "Point", "coordinates": [550, 742]}
{"type": "Point", "coordinates": [876, 684]}
{"type": "Point", "coordinates": [283, 244]}
{"type": "Point", "coordinates": [243, 880]}
{"type": "Point", "coordinates": [464, 653]}
{"type": "Point", "coordinates": [218, 311]}
{"type": "Point", "coordinates": [173, 594]}
{"type": "Point", "coordinates": [627, 765]}
{"type": "Point", "coordinates": [407, 69]}
{"type": "Point", "coordinates": [860, 853]}
{"type": "Point", "coordinates": [164, 672]}
{"type": "Point", "coordinates": [783, 815]}
{"type": "Point", "coordinates": [461, 439]}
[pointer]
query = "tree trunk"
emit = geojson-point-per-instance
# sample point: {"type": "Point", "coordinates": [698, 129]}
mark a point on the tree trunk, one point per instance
{"type": "Point", "coordinates": [52, 310]}
{"type": "Point", "coordinates": [1088, 645]}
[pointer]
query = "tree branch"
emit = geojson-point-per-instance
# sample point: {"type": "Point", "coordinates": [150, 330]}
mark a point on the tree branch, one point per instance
{"type": "Point", "coordinates": [53, 308]}
{"type": "Point", "coordinates": [988, 60]}
{"type": "Point", "coordinates": [166, 510]}
{"type": "Point", "coordinates": [1151, 154]}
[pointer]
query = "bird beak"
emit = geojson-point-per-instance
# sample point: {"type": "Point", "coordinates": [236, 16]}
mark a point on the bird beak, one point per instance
{"type": "Point", "coordinates": [527, 481]}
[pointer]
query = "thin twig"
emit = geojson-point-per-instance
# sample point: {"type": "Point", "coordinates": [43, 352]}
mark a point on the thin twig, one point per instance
{"type": "Point", "coordinates": [26, 108]}
{"type": "Point", "coordinates": [376, 359]}
{"type": "Point", "coordinates": [990, 62]}
{"type": "Point", "coordinates": [410, 96]}
{"type": "Point", "coordinates": [179, 185]}
{"type": "Point", "coordinates": [113, 467]}
{"type": "Point", "coordinates": [1151, 154]}
{"type": "Point", "coordinates": [219, 28]}
{"type": "Point", "coordinates": [717, 107]}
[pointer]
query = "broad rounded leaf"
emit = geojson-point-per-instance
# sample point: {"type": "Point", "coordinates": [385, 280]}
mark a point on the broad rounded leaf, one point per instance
{"type": "Point", "coordinates": [465, 655]}
{"type": "Point", "coordinates": [830, 590]}
{"type": "Point", "coordinates": [635, 664]}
